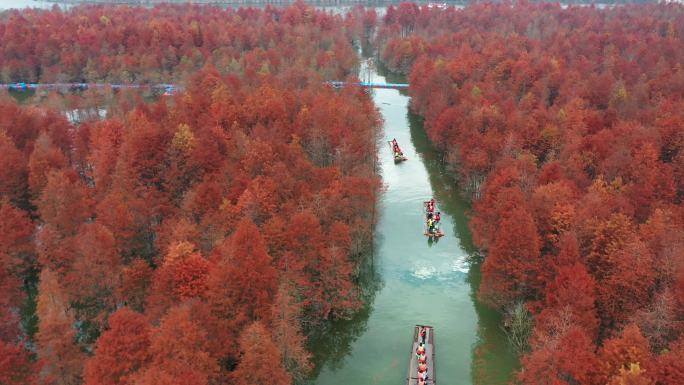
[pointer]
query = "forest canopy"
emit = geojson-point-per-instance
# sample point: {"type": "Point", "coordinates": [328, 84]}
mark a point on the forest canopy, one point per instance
{"type": "Point", "coordinates": [196, 238]}
{"type": "Point", "coordinates": [565, 125]}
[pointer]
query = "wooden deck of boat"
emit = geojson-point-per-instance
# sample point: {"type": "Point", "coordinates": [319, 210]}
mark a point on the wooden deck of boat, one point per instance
{"type": "Point", "coordinates": [429, 352]}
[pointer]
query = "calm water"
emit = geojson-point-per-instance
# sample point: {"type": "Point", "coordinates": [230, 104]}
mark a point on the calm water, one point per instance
{"type": "Point", "coordinates": [412, 281]}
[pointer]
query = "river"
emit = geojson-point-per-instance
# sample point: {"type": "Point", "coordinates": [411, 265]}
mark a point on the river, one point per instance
{"type": "Point", "coordinates": [413, 281]}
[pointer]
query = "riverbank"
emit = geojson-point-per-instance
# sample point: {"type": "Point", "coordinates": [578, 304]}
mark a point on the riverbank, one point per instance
{"type": "Point", "coordinates": [412, 280]}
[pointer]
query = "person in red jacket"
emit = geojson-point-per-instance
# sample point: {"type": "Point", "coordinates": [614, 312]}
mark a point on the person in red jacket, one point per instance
{"type": "Point", "coordinates": [430, 205]}
{"type": "Point", "coordinates": [423, 376]}
{"type": "Point", "coordinates": [422, 368]}
{"type": "Point", "coordinates": [420, 350]}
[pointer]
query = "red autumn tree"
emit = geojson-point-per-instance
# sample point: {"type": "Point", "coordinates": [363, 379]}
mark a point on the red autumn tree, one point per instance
{"type": "Point", "coordinates": [183, 274]}
{"type": "Point", "coordinates": [620, 353]}
{"type": "Point", "coordinates": [105, 140]}
{"type": "Point", "coordinates": [44, 159]}
{"type": "Point", "coordinates": [120, 351]}
{"type": "Point", "coordinates": [670, 367]}
{"type": "Point", "coordinates": [16, 243]}
{"type": "Point", "coordinates": [572, 291]}
{"type": "Point", "coordinates": [56, 344]}
{"type": "Point", "coordinates": [261, 361]}
{"type": "Point", "coordinates": [65, 202]}
{"type": "Point", "coordinates": [96, 271]}
{"type": "Point", "coordinates": [135, 282]}
{"type": "Point", "coordinates": [287, 334]}
{"type": "Point", "coordinates": [12, 297]}
{"type": "Point", "coordinates": [179, 352]}
{"type": "Point", "coordinates": [244, 275]}
{"type": "Point", "coordinates": [16, 368]}
{"type": "Point", "coordinates": [13, 172]}
{"type": "Point", "coordinates": [561, 355]}
{"type": "Point", "coordinates": [511, 269]}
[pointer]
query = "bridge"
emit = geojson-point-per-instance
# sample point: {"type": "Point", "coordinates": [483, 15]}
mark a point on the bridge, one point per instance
{"type": "Point", "coordinates": [169, 89]}
{"type": "Point", "coordinates": [396, 86]}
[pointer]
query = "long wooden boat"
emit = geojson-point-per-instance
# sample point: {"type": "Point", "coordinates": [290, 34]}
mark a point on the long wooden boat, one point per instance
{"type": "Point", "coordinates": [399, 158]}
{"type": "Point", "coordinates": [437, 234]}
{"type": "Point", "coordinates": [412, 378]}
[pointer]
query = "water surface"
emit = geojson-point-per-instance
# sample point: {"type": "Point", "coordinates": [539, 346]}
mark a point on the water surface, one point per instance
{"type": "Point", "coordinates": [414, 281]}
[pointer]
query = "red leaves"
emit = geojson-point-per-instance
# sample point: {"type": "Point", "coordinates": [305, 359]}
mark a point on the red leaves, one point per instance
{"type": "Point", "coordinates": [61, 357]}
{"type": "Point", "coordinates": [575, 166]}
{"type": "Point", "coordinates": [120, 351]}
{"type": "Point", "coordinates": [15, 366]}
{"type": "Point", "coordinates": [65, 202]}
{"type": "Point", "coordinates": [561, 356]}
{"type": "Point", "coordinates": [173, 207]}
{"type": "Point", "coordinates": [512, 267]}
{"type": "Point", "coordinates": [179, 352]}
{"type": "Point", "coordinates": [244, 274]}
{"type": "Point", "coordinates": [13, 171]}
{"type": "Point", "coordinates": [260, 362]}
{"type": "Point", "coordinates": [190, 276]}
{"type": "Point", "coordinates": [620, 353]}
{"type": "Point", "coordinates": [183, 274]}
{"type": "Point", "coordinates": [16, 244]}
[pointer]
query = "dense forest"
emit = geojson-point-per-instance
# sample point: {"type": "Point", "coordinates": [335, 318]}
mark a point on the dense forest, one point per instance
{"type": "Point", "coordinates": [197, 238]}
{"type": "Point", "coordinates": [191, 240]}
{"type": "Point", "coordinates": [169, 44]}
{"type": "Point", "coordinates": [565, 125]}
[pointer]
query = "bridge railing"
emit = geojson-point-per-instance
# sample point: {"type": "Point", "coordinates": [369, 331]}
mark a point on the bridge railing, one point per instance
{"type": "Point", "coordinates": [340, 84]}
{"type": "Point", "coordinates": [168, 88]}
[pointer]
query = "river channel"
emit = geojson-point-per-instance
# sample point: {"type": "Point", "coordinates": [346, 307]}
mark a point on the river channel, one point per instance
{"type": "Point", "coordinates": [414, 281]}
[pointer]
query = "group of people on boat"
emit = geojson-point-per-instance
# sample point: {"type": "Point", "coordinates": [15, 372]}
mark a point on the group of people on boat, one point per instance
{"type": "Point", "coordinates": [422, 357]}
{"type": "Point", "coordinates": [398, 154]}
{"type": "Point", "coordinates": [432, 218]}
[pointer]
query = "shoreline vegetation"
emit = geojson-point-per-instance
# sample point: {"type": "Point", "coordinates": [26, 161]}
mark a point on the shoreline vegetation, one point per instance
{"type": "Point", "coordinates": [565, 124]}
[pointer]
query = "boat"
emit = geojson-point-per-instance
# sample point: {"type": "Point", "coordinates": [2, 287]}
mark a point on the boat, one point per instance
{"type": "Point", "coordinates": [438, 233]}
{"type": "Point", "coordinates": [412, 378]}
{"type": "Point", "coordinates": [398, 156]}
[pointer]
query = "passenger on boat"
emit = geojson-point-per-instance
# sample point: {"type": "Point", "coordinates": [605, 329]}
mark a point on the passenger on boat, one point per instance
{"type": "Point", "coordinates": [423, 329]}
{"type": "Point", "coordinates": [423, 376]}
{"type": "Point", "coordinates": [422, 368]}
{"type": "Point", "coordinates": [420, 350]}
{"type": "Point", "coordinates": [438, 216]}
{"type": "Point", "coordinates": [431, 225]}
{"type": "Point", "coordinates": [430, 205]}
{"type": "Point", "coordinates": [421, 382]}
{"type": "Point", "coordinates": [422, 359]}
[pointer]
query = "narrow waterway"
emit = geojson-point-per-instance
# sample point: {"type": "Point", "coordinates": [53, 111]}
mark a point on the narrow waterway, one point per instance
{"type": "Point", "coordinates": [413, 281]}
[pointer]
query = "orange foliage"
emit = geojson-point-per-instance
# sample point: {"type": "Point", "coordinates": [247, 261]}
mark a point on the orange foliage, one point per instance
{"type": "Point", "coordinates": [120, 351]}
{"type": "Point", "coordinates": [565, 125]}
{"type": "Point", "coordinates": [245, 198]}
{"type": "Point", "coordinates": [260, 363]}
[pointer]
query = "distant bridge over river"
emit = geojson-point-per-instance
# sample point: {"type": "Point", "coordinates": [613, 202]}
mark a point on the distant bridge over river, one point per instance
{"type": "Point", "coordinates": [172, 88]}
{"type": "Point", "coordinates": [168, 89]}
{"type": "Point", "coordinates": [396, 86]}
